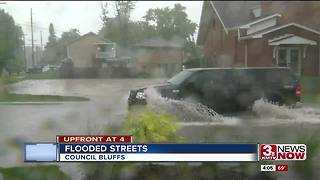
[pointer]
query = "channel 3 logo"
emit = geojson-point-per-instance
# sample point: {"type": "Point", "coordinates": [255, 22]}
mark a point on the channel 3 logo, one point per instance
{"type": "Point", "coordinates": [283, 152]}
{"type": "Point", "coordinates": [268, 152]}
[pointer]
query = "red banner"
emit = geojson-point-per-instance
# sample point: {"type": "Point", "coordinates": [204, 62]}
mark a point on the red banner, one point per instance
{"type": "Point", "coordinates": [94, 139]}
{"type": "Point", "coordinates": [282, 167]}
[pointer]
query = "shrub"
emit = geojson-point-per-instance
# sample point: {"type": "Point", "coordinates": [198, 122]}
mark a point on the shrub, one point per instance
{"type": "Point", "coordinates": [33, 172]}
{"type": "Point", "coordinates": [149, 126]}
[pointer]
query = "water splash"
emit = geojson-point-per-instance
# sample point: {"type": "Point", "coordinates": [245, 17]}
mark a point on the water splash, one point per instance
{"type": "Point", "coordinates": [196, 114]}
{"type": "Point", "coordinates": [265, 109]}
{"type": "Point", "coordinates": [184, 111]}
{"type": "Point", "coordinates": [270, 113]}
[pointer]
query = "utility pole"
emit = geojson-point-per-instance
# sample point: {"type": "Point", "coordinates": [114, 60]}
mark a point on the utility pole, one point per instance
{"type": "Point", "coordinates": [24, 49]}
{"type": "Point", "coordinates": [1, 68]}
{"type": "Point", "coordinates": [41, 49]}
{"type": "Point", "coordinates": [32, 44]}
{"type": "Point", "coordinates": [41, 39]}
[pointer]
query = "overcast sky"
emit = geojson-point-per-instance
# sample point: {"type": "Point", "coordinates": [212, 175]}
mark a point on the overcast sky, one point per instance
{"type": "Point", "coordinates": [83, 15]}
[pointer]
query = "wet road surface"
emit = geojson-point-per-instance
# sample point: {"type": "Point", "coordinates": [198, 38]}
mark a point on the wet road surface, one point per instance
{"type": "Point", "coordinates": [41, 123]}
{"type": "Point", "coordinates": [107, 108]}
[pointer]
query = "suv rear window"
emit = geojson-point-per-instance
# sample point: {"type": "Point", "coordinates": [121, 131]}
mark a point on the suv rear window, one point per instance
{"type": "Point", "coordinates": [212, 78]}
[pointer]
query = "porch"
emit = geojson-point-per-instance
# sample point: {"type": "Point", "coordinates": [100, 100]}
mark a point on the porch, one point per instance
{"type": "Point", "coordinates": [290, 50]}
{"type": "Point", "coordinates": [105, 51]}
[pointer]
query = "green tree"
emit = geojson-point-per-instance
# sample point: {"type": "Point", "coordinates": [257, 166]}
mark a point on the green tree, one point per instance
{"type": "Point", "coordinates": [56, 48]}
{"type": "Point", "coordinates": [11, 43]}
{"type": "Point", "coordinates": [140, 30]}
{"type": "Point", "coordinates": [65, 39]}
{"type": "Point", "coordinates": [52, 39]}
{"type": "Point", "coordinates": [160, 22]}
{"type": "Point", "coordinates": [50, 53]}
{"type": "Point", "coordinates": [194, 55]}
{"type": "Point", "coordinates": [104, 13]}
{"type": "Point", "coordinates": [171, 22]}
{"type": "Point", "coordinates": [123, 12]}
{"type": "Point", "coordinates": [70, 35]}
{"type": "Point", "coordinates": [174, 22]}
{"type": "Point", "coordinates": [117, 28]}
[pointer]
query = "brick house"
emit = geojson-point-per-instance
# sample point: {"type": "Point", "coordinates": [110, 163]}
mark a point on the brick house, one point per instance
{"type": "Point", "coordinates": [266, 33]}
{"type": "Point", "coordinates": [159, 57]}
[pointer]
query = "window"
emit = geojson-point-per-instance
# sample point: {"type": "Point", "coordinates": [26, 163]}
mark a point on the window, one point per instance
{"type": "Point", "coordinates": [282, 57]}
{"type": "Point", "coordinates": [179, 78]}
{"type": "Point", "coordinates": [289, 57]}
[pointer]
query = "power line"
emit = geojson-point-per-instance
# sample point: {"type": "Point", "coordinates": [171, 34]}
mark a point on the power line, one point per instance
{"type": "Point", "coordinates": [41, 27]}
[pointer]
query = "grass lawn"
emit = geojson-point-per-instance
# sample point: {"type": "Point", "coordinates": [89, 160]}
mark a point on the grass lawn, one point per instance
{"type": "Point", "coordinates": [49, 172]}
{"type": "Point", "coordinates": [43, 75]}
{"type": "Point", "coordinates": [311, 99]}
{"type": "Point", "coordinates": [310, 90]}
{"type": "Point", "coordinates": [7, 97]}
{"type": "Point", "coordinates": [310, 84]}
{"type": "Point", "coordinates": [12, 79]}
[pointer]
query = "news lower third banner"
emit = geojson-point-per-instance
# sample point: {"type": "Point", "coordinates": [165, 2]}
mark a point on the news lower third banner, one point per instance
{"type": "Point", "coordinates": [120, 148]}
{"type": "Point", "coordinates": [125, 152]}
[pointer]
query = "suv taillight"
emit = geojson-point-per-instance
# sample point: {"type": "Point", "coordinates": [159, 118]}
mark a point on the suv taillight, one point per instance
{"type": "Point", "coordinates": [298, 90]}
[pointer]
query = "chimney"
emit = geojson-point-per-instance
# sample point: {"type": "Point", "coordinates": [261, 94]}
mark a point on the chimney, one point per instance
{"type": "Point", "coordinates": [266, 8]}
{"type": "Point", "coordinates": [256, 12]}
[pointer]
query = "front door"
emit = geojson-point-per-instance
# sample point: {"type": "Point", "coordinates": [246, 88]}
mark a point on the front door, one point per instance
{"type": "Point", "coordinates": [290, 57]}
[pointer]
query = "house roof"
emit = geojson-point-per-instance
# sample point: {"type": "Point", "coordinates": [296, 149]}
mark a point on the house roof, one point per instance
{"type": "Point", "coordinates": [259, 20]}
{"type": "Point", "coordinates": [291, 24]}
{"type": "Point", "coordinates": [89, 34]}
{"type": "Point", "coordinates": [273, 29]}
{"type": "Point", "coordinates": [280, 37]}
{"type": "Point", "coordinates": [206, 17]}
{"type": "Point", "coordinates": [238, 14]}
{"type": "Point", "coordinates": [235, 13]}
{"type": "Point", "coordinates": [160, 42]}
{"type": "Point", "coordinates": [231, 14]}
{"type": "Point", "coordinates": [293, 39]}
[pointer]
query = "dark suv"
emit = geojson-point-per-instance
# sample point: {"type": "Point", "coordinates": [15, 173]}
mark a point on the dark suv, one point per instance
{"type": "Point", "coordinates": [228, 89]}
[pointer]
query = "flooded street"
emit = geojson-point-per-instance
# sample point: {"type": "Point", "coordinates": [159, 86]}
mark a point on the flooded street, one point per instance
{"type": "Point", "coordinates": [107, 107]}
{"type": "Point", "coordinates": [41, 123]}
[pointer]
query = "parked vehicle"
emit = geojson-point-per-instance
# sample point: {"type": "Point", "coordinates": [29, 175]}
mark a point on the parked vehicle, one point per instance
{"type": "Point", "coordinates": [228, 89]}
{"type": "Point", "coordinates": [50, 67]}
{"type": "Point", "coordinates": [34, 70]}
{"type": "Point", "coordinates": [46, 68]}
